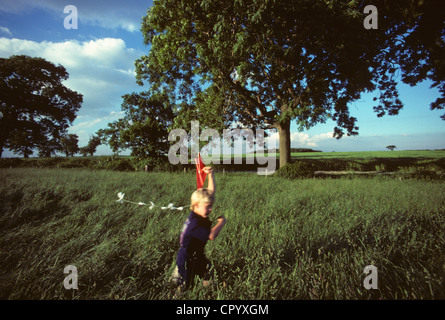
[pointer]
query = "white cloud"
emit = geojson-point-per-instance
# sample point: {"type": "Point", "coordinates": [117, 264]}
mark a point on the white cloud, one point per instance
{"type": "Point", "coordinates": [85, 124]}
{"type": "Point", "coordinates": [117, 115]}
{"type": "Point", "coordinates": [102, 70]}
{"type": "Point", "coordinates": [303, 139]}
{"type": "Point", "coordinates": [323, 136]}
{"type": "Point", "coordinates": [4, 30]}
{"type": "Point", "coordinates": [89, 122]}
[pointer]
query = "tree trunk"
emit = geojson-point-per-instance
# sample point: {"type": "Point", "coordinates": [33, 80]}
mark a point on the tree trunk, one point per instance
{"type": "Point", "coordinates": [3, 137]}
{"type": "Point", "coordinates": [2, 145]}
{"type": "Point", "coordinates": [284, 145]}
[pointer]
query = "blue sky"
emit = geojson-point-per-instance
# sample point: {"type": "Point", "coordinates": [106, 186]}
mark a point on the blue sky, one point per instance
{"type": "Point", "coordinates": [100, 55]}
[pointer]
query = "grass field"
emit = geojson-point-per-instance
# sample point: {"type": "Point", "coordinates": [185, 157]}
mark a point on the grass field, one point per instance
{"type": "Point", "coordinates": [284, 239]}
{"type": "Point", "coordinates": [363, 155]}
{"type": "Point", "coordinates": [423, 162]}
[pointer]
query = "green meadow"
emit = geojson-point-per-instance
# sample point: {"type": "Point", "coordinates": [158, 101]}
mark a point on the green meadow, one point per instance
{"type": "Point", "coordinates": [286, 239]}
{"type": "Point", "coordinates": [405, 162]}
{"type": "Point", "coordinates": [363, 155]}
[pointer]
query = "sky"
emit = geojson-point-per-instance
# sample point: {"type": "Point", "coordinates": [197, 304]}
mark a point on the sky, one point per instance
{"type": "Point", "coordinates": [99, 56]}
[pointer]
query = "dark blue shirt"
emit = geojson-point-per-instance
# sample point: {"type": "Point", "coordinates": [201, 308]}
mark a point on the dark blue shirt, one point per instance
{"type": "Point", "coordinates": [194, 236]}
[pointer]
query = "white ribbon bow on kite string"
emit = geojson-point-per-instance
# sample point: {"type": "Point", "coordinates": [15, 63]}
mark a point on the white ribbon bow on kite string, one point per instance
{"type": "Point", "coordinates": [170, 206]}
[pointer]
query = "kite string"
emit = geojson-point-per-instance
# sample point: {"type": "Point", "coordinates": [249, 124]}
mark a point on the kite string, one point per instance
{"type": "Point", "coordinates": [170, 206]}
{"type": "Point", "coordinates": [200, 178]}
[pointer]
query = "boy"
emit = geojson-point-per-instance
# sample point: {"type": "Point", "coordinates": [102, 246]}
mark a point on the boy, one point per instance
{"type": "Point", "coordinates": [191, 260]}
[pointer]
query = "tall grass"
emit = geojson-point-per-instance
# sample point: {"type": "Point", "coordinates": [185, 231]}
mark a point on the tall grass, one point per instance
{"type": "Point", "coordinates": [284, 239]}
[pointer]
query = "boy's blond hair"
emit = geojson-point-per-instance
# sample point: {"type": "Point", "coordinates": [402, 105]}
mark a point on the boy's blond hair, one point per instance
{"type": "Point", "coordinates": [202, 195]}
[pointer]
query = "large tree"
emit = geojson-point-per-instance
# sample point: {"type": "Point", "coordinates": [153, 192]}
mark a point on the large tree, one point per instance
{"type": "Point", "coordinates": [267, 63]}
{"type": "Point", "coordinates": [144, 127]}
{"type": "Point", "coordinates": [35, 106]}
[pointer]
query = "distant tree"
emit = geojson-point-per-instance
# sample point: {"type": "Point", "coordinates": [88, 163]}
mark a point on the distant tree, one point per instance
{"type": "Point", "coordinates": [143, 129]}
{"type": "Point", "coordinates": [91, 147]}
{"type": "Point", "coordinates": [35, 106]}
{"type": "Point", "coordinates": [391, 147]}
{"type": "Point", "coordinates": [83, 151]}
{"type": "Point", "coordinates": [69, 144]}
{"type": "Point", "coordinates": [49, 147]}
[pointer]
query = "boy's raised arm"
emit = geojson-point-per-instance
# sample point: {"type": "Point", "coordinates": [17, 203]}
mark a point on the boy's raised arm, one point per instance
{"type": "Point", "coordinates": [211, 183]}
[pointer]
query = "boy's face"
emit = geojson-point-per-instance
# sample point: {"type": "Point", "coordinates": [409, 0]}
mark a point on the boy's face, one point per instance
{"type": "Point", "coordinates": [203, 209]}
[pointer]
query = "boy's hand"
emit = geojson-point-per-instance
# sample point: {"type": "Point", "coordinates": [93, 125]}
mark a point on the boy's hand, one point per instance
{"type": "Point", "coordinates": [211, 179]}
{"type": "Point", "coordinates": [207, 170]}
{"type": "Point", "coordinates": [221, 219]}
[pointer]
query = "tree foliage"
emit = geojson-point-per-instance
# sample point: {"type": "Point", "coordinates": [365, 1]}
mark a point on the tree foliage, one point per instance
{"type": "Point", "coordinates": [91, 147]}
{"type": "Point", "coordinates": [267, 63]}
{"type": "Point", "coordinates": [69, 144]}
{"type": "Point", "coordinates": [48, 147]}
{"type": "Point", "coordinates": [421, 50]}
{"type": "Point", "coordinates": [36, 108]}
{"type": "Point", "coordinates": [144, 128]}
{"type": "Point", "coordinates": [22, 142]}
